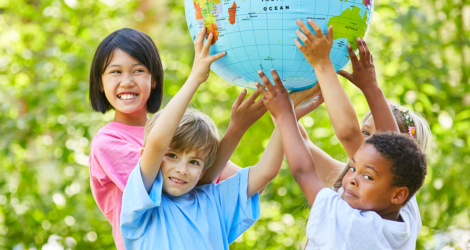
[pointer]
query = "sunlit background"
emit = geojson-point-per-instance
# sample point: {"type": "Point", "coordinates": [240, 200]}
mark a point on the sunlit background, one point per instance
{"type": "Point", "coordinates": [421, 50]}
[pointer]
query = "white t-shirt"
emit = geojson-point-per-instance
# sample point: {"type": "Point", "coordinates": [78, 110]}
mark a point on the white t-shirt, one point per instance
{"type": "Point", "coordinates": [335, 225]}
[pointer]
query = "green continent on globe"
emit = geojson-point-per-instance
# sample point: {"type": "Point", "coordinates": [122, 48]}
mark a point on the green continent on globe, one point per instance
{"type": "Point", "coordinates": [349, 25]}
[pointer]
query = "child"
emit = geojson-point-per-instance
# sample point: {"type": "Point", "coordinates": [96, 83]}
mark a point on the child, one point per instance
{"type": "Point", "coordinates": [127, 76]}
{"type": "Point", "coordinates": [382, 177]}
{"type": "Point", "coordinates": [379, 210]}
{"type": "Point", "coordinates": [162, 206]}
{"type": "Point", "coordinates": [342, 113]}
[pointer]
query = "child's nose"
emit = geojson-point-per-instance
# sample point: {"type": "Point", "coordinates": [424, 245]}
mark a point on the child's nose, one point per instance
{"type": "Point", "coordinates": [127, 80]}
{"type": "Point", "coordinates": [353, 181]}
{"type": "Point", "coordinates": [181, 168]}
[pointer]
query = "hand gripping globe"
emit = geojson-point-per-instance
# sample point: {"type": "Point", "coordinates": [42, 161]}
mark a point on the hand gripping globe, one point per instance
{"type": "Point", "coordinates": [259, 35]}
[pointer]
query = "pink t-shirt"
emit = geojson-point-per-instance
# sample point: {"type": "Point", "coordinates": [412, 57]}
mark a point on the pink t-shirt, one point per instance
{"type": "Point", "coordinates": [114, 153]}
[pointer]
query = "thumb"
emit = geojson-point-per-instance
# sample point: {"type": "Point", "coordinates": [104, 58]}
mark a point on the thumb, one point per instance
{"type": "Point", "coordinates": [346, 75]}
{"type": "Point", "coordinates": [239, 100]}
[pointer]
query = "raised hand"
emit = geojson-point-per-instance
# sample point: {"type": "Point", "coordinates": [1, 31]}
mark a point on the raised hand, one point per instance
{"type": "Point", "coordinates": [317, 47]}
{"type": "Point", "coordinates": [275, 98]}
{"type": "Point", "coordinates": [363, 75]}
{"type": "Point", "coordinates": [203, 60]}
{"type": "Point", "coordinates": [246, 112]}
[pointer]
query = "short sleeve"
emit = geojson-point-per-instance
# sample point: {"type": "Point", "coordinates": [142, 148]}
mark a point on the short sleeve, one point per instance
{"type": "Point", "coordinates": [112, 159]}
{"type": "Point", "coordinates": [239, 213]}
{"type": "Point", "coordinates": [334, 224]}
{"type": "Point", "coordinates": [137, 204]}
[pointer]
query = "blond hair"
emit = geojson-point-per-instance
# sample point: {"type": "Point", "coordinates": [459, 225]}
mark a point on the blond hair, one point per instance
{"type": "Point", "coordinates": [196, 131]}
{"type": "Point", "coordinates": [422, 133]}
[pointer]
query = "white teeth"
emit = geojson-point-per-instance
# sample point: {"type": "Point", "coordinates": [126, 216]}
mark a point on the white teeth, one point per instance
{"type": "Point", "coordinates": [175, 180]}
{"type": "Point", "coordinates": [126, 96]}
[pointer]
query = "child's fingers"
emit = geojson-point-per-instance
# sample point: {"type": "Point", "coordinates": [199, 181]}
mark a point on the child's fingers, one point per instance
{"type": "Point", "coordinates": [346, 75]}
{"type": "Point", "coordinates": [239, 100]}
{"type": "Point", "coordinates": [329, 33]}
{"type": "Point", "coordinates": [298, 44]}
{"type": "Point", "coordinates": [208, 43]}
{"type": "Point", "coordinates": [217, 56]}
{"type": "Point", "coordinates": [262, 90]}
{"type": "Point", "coordinates": [266, 81]}
{"type": "Point", "coordinates": [362, 52]}
{"type": "Point", "coordinates": [198, 43]}
{"type": "Point", "coordinates": [306, 30]}
{"type": "Point", "coordinates": [277, 80]}
{"type": "Point", "coordinates": [316, 28]}
{"type": "Point", "coordinates": [253, 96]}
{"type": "Point", "coordinates": [352, 55]}
{"type": "Point", "coordinates": [368, 54]}
{"type": "Point", "coordinates": [258, 103]}
{"type": "Point", "coordinates": [302, 37]}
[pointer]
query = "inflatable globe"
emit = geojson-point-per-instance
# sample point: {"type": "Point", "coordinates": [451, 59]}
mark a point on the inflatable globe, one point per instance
{"type": "Point", "coordinates": [259, 35]}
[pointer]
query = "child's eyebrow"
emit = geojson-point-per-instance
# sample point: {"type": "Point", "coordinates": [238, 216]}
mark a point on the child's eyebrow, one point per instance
{"type": "Point", "coordinates": [118, 65]}
{"type": "Point", "coordinates": [367, 166]}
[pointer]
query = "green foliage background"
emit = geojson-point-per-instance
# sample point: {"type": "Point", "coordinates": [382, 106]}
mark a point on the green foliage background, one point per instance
{"type": "Point", "coordinates": [421, 51]}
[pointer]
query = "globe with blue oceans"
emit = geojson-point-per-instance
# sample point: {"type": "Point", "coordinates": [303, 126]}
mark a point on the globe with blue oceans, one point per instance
{"type": "Point", "coordinates": [259, 35]}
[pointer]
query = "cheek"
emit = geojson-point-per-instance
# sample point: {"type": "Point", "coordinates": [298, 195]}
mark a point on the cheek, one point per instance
{"type": "Point", "coordinates": [145, 82]}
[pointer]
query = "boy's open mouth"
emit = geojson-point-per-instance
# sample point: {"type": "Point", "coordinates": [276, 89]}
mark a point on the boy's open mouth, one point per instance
{"type": "Point", "coordinates": [177, 180]}
{"type": "Point", "coordinates": [127, 96]}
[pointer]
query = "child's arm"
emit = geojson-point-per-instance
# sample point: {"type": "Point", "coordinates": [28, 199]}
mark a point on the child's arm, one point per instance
{"type": "Point", "coordinates": [162, 133]}
{"type": "Point", "coordinates": [326, 166]}
{"type": "Point", "coordinates": [301, 164]}
{"type": "Point", "coordinates": [364, 78]}
{"type": "Point", "coordinates": [340, 110]}
{"type": "Point", "coordinates": [244, 114]}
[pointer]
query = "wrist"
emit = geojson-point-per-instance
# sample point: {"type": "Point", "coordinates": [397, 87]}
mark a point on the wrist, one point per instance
{"type": "Point", "coordinates": [322, 65]}
{"type": "Point", "coordinates": [235, 131]}
{"type": "Point", "coordinates": [286, 117]}
{"type": "Point", "coordinates": [372, 89]}
{"type": "Point", "coordinates": [193, 79]}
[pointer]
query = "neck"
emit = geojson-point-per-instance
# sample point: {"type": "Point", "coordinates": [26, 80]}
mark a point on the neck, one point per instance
{"type": "Point", "coordinates": [392, 215]}
{"type": "Point", "coordinates": [138, 118]}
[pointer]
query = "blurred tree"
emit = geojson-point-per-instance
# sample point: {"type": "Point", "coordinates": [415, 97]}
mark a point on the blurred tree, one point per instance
{"type": "Point", "coordinates": [422, 55]}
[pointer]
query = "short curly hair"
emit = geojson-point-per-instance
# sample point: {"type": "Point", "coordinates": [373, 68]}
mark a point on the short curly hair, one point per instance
{"type": "Point", "coordinates": [408, 161]}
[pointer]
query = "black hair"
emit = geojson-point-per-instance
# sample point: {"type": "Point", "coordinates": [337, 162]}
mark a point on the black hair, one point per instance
{"type": "Point", "coordinates": [408, 163]}
{"type": "Point", "coordinates": [138, 45]}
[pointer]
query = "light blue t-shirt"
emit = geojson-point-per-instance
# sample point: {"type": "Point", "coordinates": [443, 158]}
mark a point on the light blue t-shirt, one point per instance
{"type": "Point", "coordinates": [208, 217]}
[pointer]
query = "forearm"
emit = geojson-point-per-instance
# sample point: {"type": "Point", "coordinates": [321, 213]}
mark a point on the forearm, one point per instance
{"type": "Point", "coordinates": [161, 134]}
{"type": "Point", "coordinates": [340, 109]}
{"type": "Point", "coordinates": [300, 161]}
{"type": "Point", "coordinates": [298, 156]}
{"type": "Point", "coordinates": [268, 166]}
{"type": "Point", "coordinates": [227, 146]}
{"type": "Point", "coordinates": [326, 166]}
{"type": "Point", "coordinates": [381, 112]}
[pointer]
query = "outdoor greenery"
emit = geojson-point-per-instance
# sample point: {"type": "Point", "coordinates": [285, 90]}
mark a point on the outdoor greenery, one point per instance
{"type": "Point", "coordinates": [421, 51]}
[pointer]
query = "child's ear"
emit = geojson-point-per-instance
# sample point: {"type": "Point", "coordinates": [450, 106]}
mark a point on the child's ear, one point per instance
{"type": "Point", "coordinates": [141, 152]}
{"type": "Point", "coordinates": [202, 174]}
{"type": "Point", "coordinates": [400, 195]}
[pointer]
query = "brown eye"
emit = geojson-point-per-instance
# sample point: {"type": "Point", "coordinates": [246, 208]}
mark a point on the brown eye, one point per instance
{"type": "Point", "coordinates": [171, 155]}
